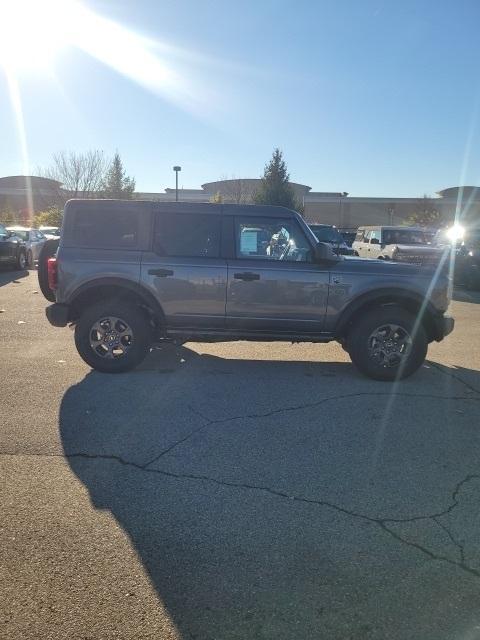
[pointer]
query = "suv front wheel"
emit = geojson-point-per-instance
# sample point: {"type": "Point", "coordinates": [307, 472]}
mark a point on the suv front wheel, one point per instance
{"type": "Point", "coordinates": [387, 343]}
{"type": "Point", "coordinates": [113, 336]}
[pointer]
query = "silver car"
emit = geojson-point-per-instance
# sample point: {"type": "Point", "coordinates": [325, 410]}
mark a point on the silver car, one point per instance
{"type": "Point", "coordinates": [34, 241]}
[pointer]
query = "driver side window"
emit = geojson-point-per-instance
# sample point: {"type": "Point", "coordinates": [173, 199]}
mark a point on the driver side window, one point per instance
{"type": "Point", "coordinates": [271, 239]}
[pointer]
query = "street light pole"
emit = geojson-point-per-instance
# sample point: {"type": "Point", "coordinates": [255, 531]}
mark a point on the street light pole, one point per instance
{"type": "Point", "coordinates": [176, 168]}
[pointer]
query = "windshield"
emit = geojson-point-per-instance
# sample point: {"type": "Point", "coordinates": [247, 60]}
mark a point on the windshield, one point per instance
{"type": "Point", "coordinates": [407, 236]}
{"type": "Point", "coordinates": [20, 234]}
{"type": "Point", "coordinates": [327, 234]}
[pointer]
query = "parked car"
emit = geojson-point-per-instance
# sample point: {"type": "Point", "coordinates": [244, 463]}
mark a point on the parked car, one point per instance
{"type": "Point", "coordinates": [121, 270]}
{"type": "Point", "coordinates": [34, 241]}
{"type": "Point", "coordinates": [12, 249]}
{"type": "Point", "coordinates": [467, 254]}
{"type": "Point", "coordinates": [50, 232]}
{"type": "Point", "coordinates": [348, 235]}
{"type": "Point", "coordinates": [330, 234]}
{"type": "Point", "coordinates": [401, 244]}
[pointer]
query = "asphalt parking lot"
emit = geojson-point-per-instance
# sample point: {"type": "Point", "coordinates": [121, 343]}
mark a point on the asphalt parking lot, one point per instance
{"type": "Point", "coordinates": [236, 491]}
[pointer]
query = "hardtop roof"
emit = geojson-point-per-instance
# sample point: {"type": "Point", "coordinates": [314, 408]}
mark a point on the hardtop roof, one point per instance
{"type": "Point", "coordinates": [260, 211]}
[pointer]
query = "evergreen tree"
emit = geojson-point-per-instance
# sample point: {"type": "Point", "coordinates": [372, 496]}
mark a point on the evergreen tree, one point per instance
{"type": "Point", "coordinates": [117, 184]}
{"type": "Point", "coordinates": [275, 188]}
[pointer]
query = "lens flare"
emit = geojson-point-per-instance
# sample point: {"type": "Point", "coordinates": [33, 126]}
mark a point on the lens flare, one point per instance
{"type": "Point", "coordinates": [455, 233]}
{"type": "Point", "coordinates": [32, 33]}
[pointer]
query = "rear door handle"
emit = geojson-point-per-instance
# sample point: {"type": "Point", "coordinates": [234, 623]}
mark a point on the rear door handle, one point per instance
{"type": "Point", "coordinates": [160, 273]}
{"type": "Point", "coordinates": [246, 275]}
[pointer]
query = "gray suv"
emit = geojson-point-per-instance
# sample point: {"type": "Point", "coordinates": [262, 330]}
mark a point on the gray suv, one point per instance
{"type": "Point", "coordinates": [129, 273]}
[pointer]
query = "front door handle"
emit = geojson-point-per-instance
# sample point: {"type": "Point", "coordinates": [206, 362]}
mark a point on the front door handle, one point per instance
{"type": "Point", "coordinates": [160, 273]}
{"type": "Point", "coordinates": [246, 275]}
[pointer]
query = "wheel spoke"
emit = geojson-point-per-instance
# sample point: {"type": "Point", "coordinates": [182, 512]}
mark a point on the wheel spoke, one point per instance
{"type": "Point", "coordinates": [110, 337]}
{"type": "Point", "coordinates": [389, 344]}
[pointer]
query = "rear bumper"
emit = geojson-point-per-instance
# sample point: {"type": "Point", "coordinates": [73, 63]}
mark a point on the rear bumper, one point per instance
{"type": "Point", "coordinates": [57, 314]}
{"type": "Point", "coordinates": [443, 327]}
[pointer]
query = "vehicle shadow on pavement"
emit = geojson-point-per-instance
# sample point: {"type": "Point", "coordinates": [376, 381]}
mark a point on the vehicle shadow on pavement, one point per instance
{"type": "Point", "coordinates": [228, 559]}
{"type": "Point", "coordinates": [10, 275]}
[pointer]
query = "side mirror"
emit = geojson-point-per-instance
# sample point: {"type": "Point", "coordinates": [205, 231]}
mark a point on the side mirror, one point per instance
{"type": "Point", "coordinates": [374, 241]}
{"type": "Point", "coordinates": [325, 253]}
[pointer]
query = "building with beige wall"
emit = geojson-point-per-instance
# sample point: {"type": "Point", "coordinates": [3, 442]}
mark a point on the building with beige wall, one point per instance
{"type": "Point", "coordinates": [340, 209]}
{"type": "Point", "coordinates": [336, 208]}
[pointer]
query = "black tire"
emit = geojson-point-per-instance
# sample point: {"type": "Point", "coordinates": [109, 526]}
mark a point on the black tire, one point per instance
{"type": "Point", "coordinates": [48, 250]}
{"type": "Point", "coordinates": [21, 262]}
{"type": "Point", "coordinates": [134, 351]}
{"type": "Point", "coordinates": [30, 264]}
{"type": "Point", "coordinates": [360, 342]}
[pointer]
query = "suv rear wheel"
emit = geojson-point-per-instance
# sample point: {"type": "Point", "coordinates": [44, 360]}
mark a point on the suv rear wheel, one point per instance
{"type": "Point", "coordinates": [113, 336]}
{"type": "Point", "coordinates": [385, 344]}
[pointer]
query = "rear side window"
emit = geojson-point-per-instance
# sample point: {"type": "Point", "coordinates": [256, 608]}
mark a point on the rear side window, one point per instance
{"type": "Point", "coordinates": [106, 229]}
{"type": "Point", "coordinates": [187, 235]}
{"type": "Point", "coordinates": [359, 236]}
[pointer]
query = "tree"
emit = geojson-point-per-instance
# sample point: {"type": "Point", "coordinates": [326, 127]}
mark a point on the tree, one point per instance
{"type": "Point", "coordinates": [80, 174]}
{"type": "Point", "coordinates": [425, 214]}
{"type": "Point", "coordinates": [8, 215]}
{"type": "Point", "coordinates": [275, 188]}
{"type": "Point", "coordinates": [117, 184]}
{"type": "Point", "coordinates": [52, 217]}
{"type": "Point", "coordinates": [237, 190]}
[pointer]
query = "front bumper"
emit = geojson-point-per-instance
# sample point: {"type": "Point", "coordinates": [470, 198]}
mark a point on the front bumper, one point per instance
{"type": "Point", "coordinates": [443, 327]}
{"type": "Point", "coordinates": [57, 314]}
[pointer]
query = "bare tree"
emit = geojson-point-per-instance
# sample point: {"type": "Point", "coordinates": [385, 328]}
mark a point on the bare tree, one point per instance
{"type": "Point", "coordinates": [237, 190]}
{"type": "Point", "coordinates": [80, 174]}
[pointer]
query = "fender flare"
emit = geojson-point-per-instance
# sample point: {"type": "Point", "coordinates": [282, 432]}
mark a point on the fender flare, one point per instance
{"type": "Point", "coordinates": [122, 283]}
{"type": "Point", "coordinates": [390, 295]}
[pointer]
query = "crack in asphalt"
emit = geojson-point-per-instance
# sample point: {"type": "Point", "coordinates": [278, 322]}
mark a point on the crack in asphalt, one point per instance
{"type": "Point", "coordinates": [459, 546]}
{"type": "Point", "coordinates": [382, 523]}
{"type": "Point", "coordinates": [450, 374]}
{"type": "Point", "coordinates": [307, 405]}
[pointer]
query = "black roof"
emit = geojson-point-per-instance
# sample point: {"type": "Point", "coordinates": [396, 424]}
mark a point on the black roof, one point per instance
{"type": "Point", "coordinates": [265, 211]}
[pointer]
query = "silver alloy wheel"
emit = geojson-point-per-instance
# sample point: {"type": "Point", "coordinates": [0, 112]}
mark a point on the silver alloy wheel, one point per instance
{"type": "Point", "coordinates": [389, 345]}
{"type": "Point", "coordinates": [22, 261]}
{"type": "Point", "coordinates": [110, 337]}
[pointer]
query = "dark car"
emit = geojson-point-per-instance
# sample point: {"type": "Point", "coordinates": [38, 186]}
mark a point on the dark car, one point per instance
{"type": "Point", "coordinates": [12, 249]}
{"type": "Point", "coordinates": [348, 235]}
{"type": "Point", "coordinates": [332, 236]}
{"type": "Point", "coordinates": [467, 255]}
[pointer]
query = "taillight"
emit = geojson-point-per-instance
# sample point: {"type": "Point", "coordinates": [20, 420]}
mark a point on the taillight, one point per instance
{"type": "Point", "coordinates": [52, 266]}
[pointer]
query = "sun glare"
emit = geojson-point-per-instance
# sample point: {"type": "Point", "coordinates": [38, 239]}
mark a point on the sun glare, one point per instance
{"type": "Point", "coordinates": [31, 32]}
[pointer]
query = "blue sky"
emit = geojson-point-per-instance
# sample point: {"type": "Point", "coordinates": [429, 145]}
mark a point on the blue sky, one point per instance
{"type": "Point", "coordinates": [370, 97]}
